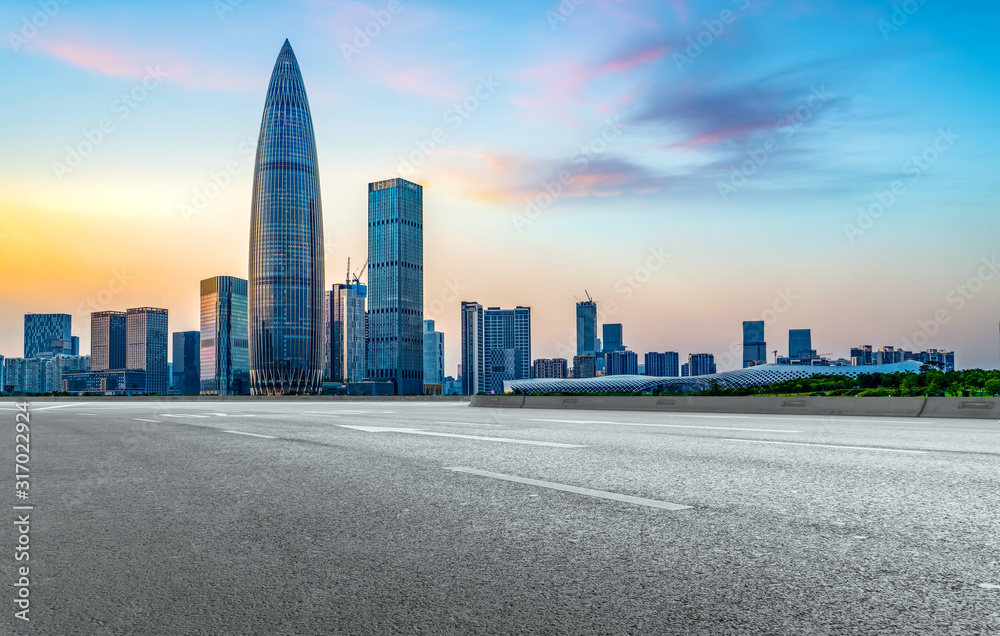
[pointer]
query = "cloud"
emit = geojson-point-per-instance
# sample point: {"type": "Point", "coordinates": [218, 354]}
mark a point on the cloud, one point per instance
{"type": "Point", "coordinates": [128, 61]}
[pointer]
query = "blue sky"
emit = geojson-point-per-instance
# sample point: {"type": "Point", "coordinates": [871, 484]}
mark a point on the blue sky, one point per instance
{"type": "Point", "coordinates": [736, 144]}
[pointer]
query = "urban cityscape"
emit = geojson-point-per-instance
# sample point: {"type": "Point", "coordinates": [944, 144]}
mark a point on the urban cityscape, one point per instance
{"type": "Point", "coordinates": [578, 317]}
{"type": "Point", "coordinates": [280, 332]}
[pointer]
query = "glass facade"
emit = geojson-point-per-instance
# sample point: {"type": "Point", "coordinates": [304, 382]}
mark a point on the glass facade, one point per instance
{"type": "Point", "coordinates": [433, 354]}
{"type": "Point", "coordinates": [146, 346]}
{"type": "Point", "coordinates": [799, 343]}
{"type": "Point", "coordinates": [612, 337]}
{"type": "Point", "coordinates": [225, 352]}
{"type": "Point", "coordinates": [666, 364]}
{"type": "Point", "coordinates": [285, 288]}
{"type": "Point", "coordinates": [754, 347]}
{"type": "Point", "coordinates": [348, 332]}
{"type": "Point", "coordinates": [396, 284]}
{"type": "Point", "coordinates": [471, 370]}
{"type": "Point", "coordinates": [107, 340]}
{"type": "Point", "coordinates": [586, 328]}
{"type": "Point", "coordinates": [506, 345]}
{"type": "Point", "coordinates": [41, 329]}
{"type": "Point", "coordinates": [187, 363]}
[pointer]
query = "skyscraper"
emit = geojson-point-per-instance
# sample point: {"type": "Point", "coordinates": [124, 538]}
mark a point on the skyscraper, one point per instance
{"type": "Point", "coordinates": [396, 284]}
{"type": "Point", "coordinates": [347, 331]}
{"type": "Point", "coordinates": [471, 370]}
{"type": "Point", "coordinates": [187, 362]}
{"type": "Point", "coordinates": [41, 329]}
{"type": "Point", "coordinates": [612, 337]}
{"type": "Point", "coordinates": [662, 365]}
{"type": "Point", "coordinates": [547, 368]}
{"type": "Point", "coordinates": [586, 327]}
{"type": "Point", "coordinates": [506, 346]}
{"type": "Point", "coordinates": [286, 242]}
{"type": "Point", "coordinates": [621, 363]}
{"type": "Point", "coordinates": [433, 354]}
{"type": "Point", "coordinates": [107, 340]}
{"type": "Point", "coordinates": [585, 366]}
{"type": "Point", "coordinates": [800, 343]}
{"type": "Point", "coordinates": [701, 364]}
{"type": "Point", "coordinates": [754, 346]}
{"type": "Point", "coordinates": [224, 341]}
{"type": "Point", "coordinates": [146, 343]}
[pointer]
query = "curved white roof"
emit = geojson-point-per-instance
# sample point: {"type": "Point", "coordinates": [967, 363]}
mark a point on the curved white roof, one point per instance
{"type": "Point", "coordinates": [762, 375]}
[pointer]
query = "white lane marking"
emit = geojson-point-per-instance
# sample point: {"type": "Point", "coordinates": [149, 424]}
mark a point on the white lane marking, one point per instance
{"type": "Point", "coordinates": [180, 415]}
{"type": "Point", "coordinates": [467, 423]}
{"type": "Point", "coordinates": [603, 494]}
{"type": "Point", "coordinates": [139, 419]}
{"type": "Point", "coordinates": [572, 421]}
{"type": "Point", "coordinates": [711, 428]}
{"type": "Point", "coordinates": [251, 434]}
{"type": "Point", "coordinates": [331, 412]}
{"type": "Point", "coordinates": [874, 448]}
{"type": "Point", "coordinates": [417, 431]}
{"type": "Point", "coordinates": [57, 406]}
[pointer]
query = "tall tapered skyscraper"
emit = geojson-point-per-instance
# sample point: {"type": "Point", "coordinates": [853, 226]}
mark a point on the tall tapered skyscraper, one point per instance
{"type": "Point", "coordinates": [285, 291]}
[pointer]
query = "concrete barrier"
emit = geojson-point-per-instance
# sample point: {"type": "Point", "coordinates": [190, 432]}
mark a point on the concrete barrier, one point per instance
{"type": "Point", "coordinates": [980, 408]}
{"type": "Point", "coordinates": [233, 398]}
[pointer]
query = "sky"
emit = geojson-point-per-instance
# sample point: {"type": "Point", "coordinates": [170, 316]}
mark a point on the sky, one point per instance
{"type": "Point", "coordinates": [825, 164]}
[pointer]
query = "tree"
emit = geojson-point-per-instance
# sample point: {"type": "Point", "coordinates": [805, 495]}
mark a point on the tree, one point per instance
{"type": "Point", "coordinates": [992, 386]}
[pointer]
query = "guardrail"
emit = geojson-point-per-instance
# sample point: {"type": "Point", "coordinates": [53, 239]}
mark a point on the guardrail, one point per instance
{"type": "Point", "coordinates": [945, 407]}
{"type": "Point", "coordinates": [234, 398]}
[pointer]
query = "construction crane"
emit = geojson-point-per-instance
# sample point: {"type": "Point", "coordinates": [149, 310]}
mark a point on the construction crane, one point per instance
{"type": "Point", "coordinates": [588, 295]}
{"type": "Point", "coordinates": [775, 352]}
{"type": "Point", "coordinates": [347, 280]}
{"type": "Point", "coordinates": [361, 271]}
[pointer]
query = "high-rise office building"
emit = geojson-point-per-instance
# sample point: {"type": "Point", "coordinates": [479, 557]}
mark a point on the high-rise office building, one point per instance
{"type": "Point", "coordinates": [701, 364]}
{"type": "Point", "coordinates": [396, 284]}
{"type": "Point", "coordinates": [889, 355]}
{"type": "Point", "coordinates": [187, 362]}
{"type": "Point", "coordinates": [585, 366]}
{"type": "Point", "coordinates": [754, 346]}
{"type": "Point", "coordinates": [107, 340]}
{"type": "Point", "coordinates": [862, 355]}
{"type": "Point", "coordinates": [41, 329]}
{"type": "Point", "coordinates": [146, 345]}
{"type": "Point", "coordinates": [662, 365]}
{"type": "Point", "coordinates": [586, 328]}
{"type": "Point", "coordinates": [506, 346]}
{"type": "Point", "coordinates": [621, 363]}
{"type": "Point", "coordinates": [612, 338]}
{"type": "Point", "coordinates": [550, 368]}
{"type": "Point", "coordinates": [348, 325]}
{"type": "Point", "coordinates": [800, 343]}
{"type": "Point", "coordinates": [224, 341]}
{"type": "Point", "coordinates": [286, 242]}
{"type": "Point", "coordinates": [433, 355]}
{"type": "Point", "coordinates": [471, 370]}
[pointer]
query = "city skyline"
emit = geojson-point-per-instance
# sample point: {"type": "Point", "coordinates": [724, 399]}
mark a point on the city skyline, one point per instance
{"type": "Point", "coordinates": [98, 264]}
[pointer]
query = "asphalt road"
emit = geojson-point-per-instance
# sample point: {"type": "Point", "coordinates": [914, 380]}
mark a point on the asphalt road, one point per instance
{"type": "Point", "coordinates": [305, 518]}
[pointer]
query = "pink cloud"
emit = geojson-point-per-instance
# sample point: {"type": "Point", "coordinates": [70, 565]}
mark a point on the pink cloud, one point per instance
{"type": "Point", "coordinates": [133, 63]}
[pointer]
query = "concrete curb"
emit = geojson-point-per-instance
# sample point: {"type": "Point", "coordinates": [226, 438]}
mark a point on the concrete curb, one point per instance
{"type": "Point", "coordinates": [234, 398]}
{"type": "Point", "coordinates": [941, 407]}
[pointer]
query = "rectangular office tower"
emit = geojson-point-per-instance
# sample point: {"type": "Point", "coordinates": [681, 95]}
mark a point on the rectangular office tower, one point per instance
{"type": "Point", "coordinates": [225, 339]}
{"type": "Point", "coordinates": [107, 340]}
{"type": "Point", "coordinates": [621, 363]}
{"type": "Point", "coordinates": [700, 364]}
{"type": "Point", "coordinates": [187, 362]}
{"type": "Point", "coordinates": [586, 328]}
{"type": "Point", "coordinates": [396, 284]}
{"type": "Point", "coordinates": [612, 338]}
{"type": "Point", "coordinates": [433, 355]}
{"type": "Point", "coordinates": [662, 365]}
{"type": "Point", "coordinates": [471, 370]}
{"type": "Point", "coordinates": [146, 345]}
{"type": "Point", "coordinates": [754, 347]}
{"type": "Point", "coordinates": [347, 331]}
{"type": "Point", "coordinates": [800, 344]}
{"type": "Point", "coordinates": [549, 368]}
{"type": "Point", "coordinates": [506, 346]}
{"type": "Point", "coordinates": [41, 329]}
